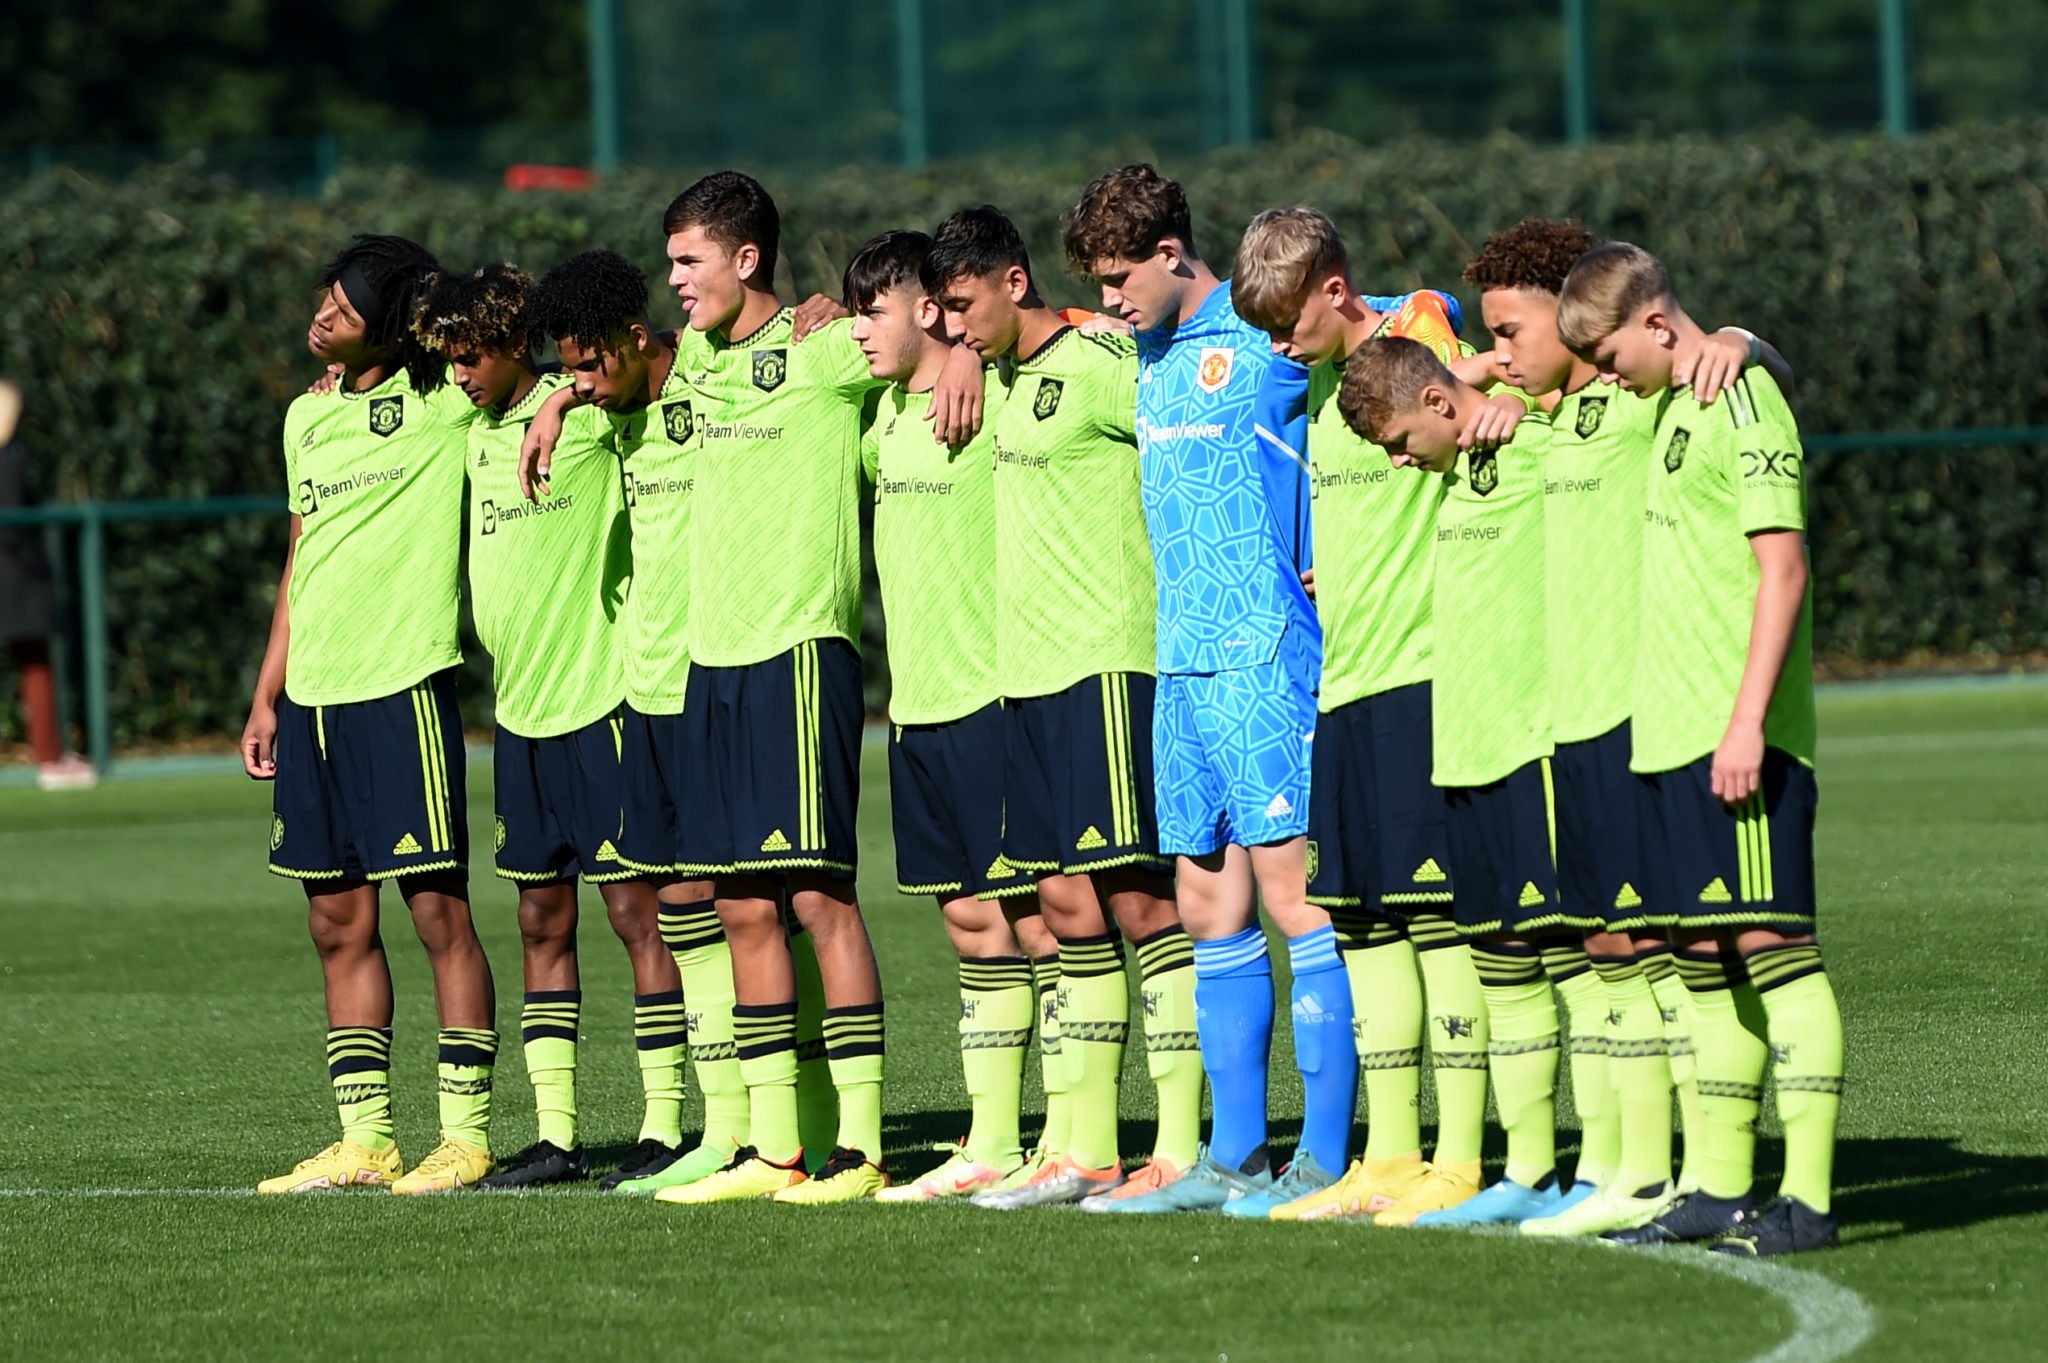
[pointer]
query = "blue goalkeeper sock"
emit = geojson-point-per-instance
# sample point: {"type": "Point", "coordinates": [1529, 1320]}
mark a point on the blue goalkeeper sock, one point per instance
{"type": "Point", "coordinates": [1324, 1049]}
{"type": "Point", "coordinates": [1234, 1020]}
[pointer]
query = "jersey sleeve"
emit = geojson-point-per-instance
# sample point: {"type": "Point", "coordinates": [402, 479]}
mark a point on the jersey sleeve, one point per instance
{"type": "Point", "coordinates": [837, 360]}
{"type": "Point", "coordinates": [1769, 463]}
{"type": "Point", "coordinates": [1280, 432]}
{"type": "Point", "coordinates": [1116, 389]}
{"type": "Point", "coordinates": [451, 407]}
{"type": "Point", "coordinates": [871, 440]}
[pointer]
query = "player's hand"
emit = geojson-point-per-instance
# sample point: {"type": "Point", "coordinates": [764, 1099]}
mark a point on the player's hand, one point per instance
{"type": "Point", "coordinates": [1739, 763]}
{"type": "Point", "coordinates": [1308, 582]}
{"type": "Point", "coordinates": [537, 452]}
{"type": "Point", "coordinates": [259, 743]}
{"type": "Point", "coordinates": [956, 400]}
{"type": "Point", "coordinates": [1713, 366]}
{"type": "Point", "coordinates": [328, 381]}
{"type": "Point", "coordinates": [1104, 324]}
{"type": "Point", "coordinates": [814, 312]}
{"type": "Point", "coordinates": [1493, 424]}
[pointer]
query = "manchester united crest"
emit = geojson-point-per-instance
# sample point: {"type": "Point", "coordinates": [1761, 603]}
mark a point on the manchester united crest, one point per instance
{"type": "Point", "coordinates": [771, 367]}
{"type": "Point", "coordinates": [1048, 399]}
{"type": "Point", "coordinates": [1485, 472]}
{"type": "Point", "coordinates": [1592, 411]}
{"type": "Point", "coordinates": [386, 415]}
{"type": "Point", "coordinates": [1214, 371]}
{"type": "Point", "coordinates": [676, 417]}
{"type": "Point", "coordinates": [1674, 453]}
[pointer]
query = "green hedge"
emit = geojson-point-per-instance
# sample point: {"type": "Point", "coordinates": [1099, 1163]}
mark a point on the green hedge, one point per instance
{"type": "Point", "coordinates": [157, 323]}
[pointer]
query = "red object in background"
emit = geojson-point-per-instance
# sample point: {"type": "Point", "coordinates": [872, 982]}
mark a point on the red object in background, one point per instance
{"type": "Point", "coordinates": [568, 178]}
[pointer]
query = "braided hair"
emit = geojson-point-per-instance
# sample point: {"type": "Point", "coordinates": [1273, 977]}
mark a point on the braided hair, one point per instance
{"type": "Point", "coordinates": [383, 277]}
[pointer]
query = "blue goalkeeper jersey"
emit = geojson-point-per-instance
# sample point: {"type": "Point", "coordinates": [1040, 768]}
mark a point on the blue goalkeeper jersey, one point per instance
{"type": "Point", "coordinates": [1221, 427]}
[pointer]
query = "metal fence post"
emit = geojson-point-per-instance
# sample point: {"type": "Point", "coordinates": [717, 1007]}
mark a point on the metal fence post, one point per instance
{"type": "Point", "coordinates": [1578, 71]}
{"type": "Point", "coordinates": [603, 30]}
{"type": "Point", "coordinates": [910, 82]}
{"type": "Point", "coordinates": [1895, 65]}
{"type": "Point", "coordinates": [1238, 43]}
{"type": "Point", "coordinates": [92, 591]}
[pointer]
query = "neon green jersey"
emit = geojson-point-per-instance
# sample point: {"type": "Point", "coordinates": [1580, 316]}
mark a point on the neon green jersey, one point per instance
{"type": "Point", "coordinates": [376, 479]}
{"type": "Point", "coordinates": [547, 578]}
{"type": "Point", "coordinates": [1719, 475]}
{"type": "Point", "coordinates": [1490, 705]}
{"type": "Point", "coordinates": [1594, 475]}
{"type": "Point", "coordinates": [935, 551]}
{"type": "Point", "coordinates": [776, 556]}
{"type": "Point", "coordinates": [1075, 594]}
{"type": "Point", "coordinates": [658, 449]}
{"type": "Point", "coordinates": [1373, 549]}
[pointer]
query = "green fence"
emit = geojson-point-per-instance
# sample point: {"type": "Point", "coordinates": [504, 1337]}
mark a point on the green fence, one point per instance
{"type": "Point", "coordinates": [86, 567]}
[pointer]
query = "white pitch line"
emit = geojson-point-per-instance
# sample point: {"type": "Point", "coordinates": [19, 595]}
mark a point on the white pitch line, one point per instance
{"type": "Point", "coordinates": [1829, 1321]}
{"type": "Point", "coordinates": [57, 1193]}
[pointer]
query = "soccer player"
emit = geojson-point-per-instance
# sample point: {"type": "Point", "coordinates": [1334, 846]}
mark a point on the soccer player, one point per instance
{"type": "Point", "coordinates": [1723, 725]}
{"type": "Point", "coordinates": [1491, 739]}
{"type": "Point", "coordinates": [935, 553]}
{"type": "Point", "coordinates": [1377, 856]}
{"type": "Point", "coordinates": [593, 307]}
{"type": "Point", "coordinates": [355, 719]}
{"type": "Point", "coordinates": [1239, 651]}
{"type": "Point", "coordinates": [773, 710]}
{"type": "Point", "coordinates": [1074, 661]}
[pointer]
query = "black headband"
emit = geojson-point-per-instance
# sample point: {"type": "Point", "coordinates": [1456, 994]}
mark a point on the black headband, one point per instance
{"type": "Point", "coordinates": [362, 295]}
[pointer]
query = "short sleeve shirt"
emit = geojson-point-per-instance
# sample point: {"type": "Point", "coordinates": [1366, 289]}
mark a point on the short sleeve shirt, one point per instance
{"type": "Point", "coordinates": [376, 479]}
{"type": "Point", "coordinates": [1594, 476]}
{"type": "Point", "coordinates": [1719, 474]}
{"type": "Point", "coordinates": [658, 449]}
{"type": "Point", "coordinates": [1075, 594]}
{"type": "Point", "coordinates": [1490, 705]}
{"type": "Point", "coordinates": [547, 578]}
{"type": "Point", "coordinates": [935, 552]}
{"type": "Point", "coordinates": [775, 552]}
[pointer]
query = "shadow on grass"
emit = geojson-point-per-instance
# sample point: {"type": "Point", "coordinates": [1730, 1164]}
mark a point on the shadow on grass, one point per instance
{"type": "Point", "coordinates": [1911, 1185]}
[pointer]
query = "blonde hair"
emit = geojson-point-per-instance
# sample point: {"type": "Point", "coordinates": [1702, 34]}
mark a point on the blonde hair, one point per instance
{"type": "Point", "coordinates": [1284, 252]}
{"type": "Point", "coordinates": [1608, 285]}
{"type": "Point", "coordinates": [1384, 378]}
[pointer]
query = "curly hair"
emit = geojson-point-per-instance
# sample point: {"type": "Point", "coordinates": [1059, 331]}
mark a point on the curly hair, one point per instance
{"type": "Point", "coordinates": [589, 298]}
{"type": "Point", "coordinates": [1534, 254]}
{"type": "Point", "coordinates": [395, 269]}
{"type": "Point", "coordinates": [1124, 214]}
{"type": "Point", "coordinates": [472, 313]}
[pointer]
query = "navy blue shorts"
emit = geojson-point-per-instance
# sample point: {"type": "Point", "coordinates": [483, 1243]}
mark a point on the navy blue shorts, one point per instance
{"type": "Point", "coordinates": [370, 790]}
{"type": "Point", "coordinates": [1603, 816]}
{"type": "Point", "coordinates": [1376, 824]}
{"type": "Point", "coordinates": [1751, 866]}
{"type": "Point", "coordinates": [946, 806]}
{"type": "Point", "coordinates": [1077, 778]}
{"type": "Point", "coordinates": [778, 746]}
{"type": "Point", "coordinates": [1503, 852]}
{"type": "Point", "coordinates": [557, 800]}
{"type": "Point", "coordinates": [653, 773]}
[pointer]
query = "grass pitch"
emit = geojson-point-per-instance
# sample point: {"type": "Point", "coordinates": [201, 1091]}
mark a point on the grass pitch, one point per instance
{"type": "Point", "coordinates": [160, 1050]}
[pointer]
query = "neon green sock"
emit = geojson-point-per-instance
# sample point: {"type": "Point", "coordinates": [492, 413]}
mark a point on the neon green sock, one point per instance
{"type": "Point", "coordinates": [853, 1050]}
{"type": "Point", "coordinates": [1386, 1007]}
{"type": "Point", "coordinates": [1052, 1060]}
{"type": "Point", "coordinates": [1521, 1014]}
{"type": "Point", "coordinates": [996, 1005]}
{"type": "Point", "coordinates": [661, 1035]}
{"type": "Point", "coordinates": [359, 1067]}
{"type": "Point", "coordinates": [817, 1097]}
{"type": "Point", "coordinates": [548, 1024]}
{"type": "Point", "coordinates": [1173, 1054]}
{"type": "Point", "coordinates": [1593, 1096]}
{"type": "Point", "coordinates": [1732, 1053]}
{"type": "Point", "coordinates": [1095, 1023]}
{"type": "Point", "coordinates": [1457, 1038]}
{"type": "Point", "coordinates": [695, 938]}
{"type": "Point", "coordinates": [765, 1035]}
{"type": "Point", "coordinates": [468, 1055]}
{"type": "Point", "coordinates": [1674, 1005]}
{"type": "Point", "coordinates": [1806, 1068]}
{"type": "Point", "coordinates": [1641, 1073]}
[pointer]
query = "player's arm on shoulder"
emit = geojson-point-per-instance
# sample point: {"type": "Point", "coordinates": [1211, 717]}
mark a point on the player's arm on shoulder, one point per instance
{"type": "Point", "coordinates": [958, 400]}
{"type": "Point", "coordinates": [1720, 359]}
{"type": "Point", "coordinates": [537, 447]}
{"type": "Point", "coordinates": [259, 734]}
{"type": "Point", "coordinates": [1493, 422]}
{"type": "Point", "coordinates": [813, 313]}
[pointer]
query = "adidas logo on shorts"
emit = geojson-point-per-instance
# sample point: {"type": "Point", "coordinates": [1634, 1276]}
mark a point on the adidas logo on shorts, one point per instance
{"type": "Point", "coordinates": [1716, 892]}
{"type": "Point", "coordinates": [1429, 873]}
{"type": "Point", "coordinates": [1531, 896]}
{"type": "Point", "coordinates": [408, 846]}
{"type": "Point", "coordinates": [1090, 839]}
{"type": "Point", "coordinates": [1279, 809]}
{"type": "Point", "coordinates": [775, 842]}
{"type": "Point", "coordinates": [1627, 898]}
{"type": "Point", "coordinates": [607, 852]}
